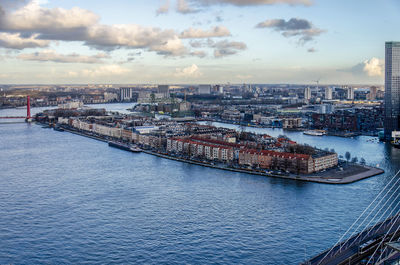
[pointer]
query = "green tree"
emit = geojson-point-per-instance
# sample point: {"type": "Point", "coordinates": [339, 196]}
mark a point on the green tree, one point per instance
{"type": "Point", "coordinates": [347, 156]}
{"type": "Point", "coordinates": [153, 98]}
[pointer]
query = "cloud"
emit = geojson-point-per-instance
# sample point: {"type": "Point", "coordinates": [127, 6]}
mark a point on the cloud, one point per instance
{"type": "Point", "coordinates": [34, 18]}
{"type": "Point", "coordinates": [192, 71]}
{"type": "Point", "coordinates": [374, 67]}
{"type": "Point", "coordinates": [183, 7]}
{"type": "Point", "coordinates": [255, 2]}
{"type": "Point", "coordinates": [312, 50]}
{"type": "Point", "coordinates": [226, 48]}
{"type": "Point", "coordinates": [163, 9]}
{"type": "Point", "coordinates": [244, 76]}
{"type": "Point", "coordinates": [82, 25]}
{"type": "Point", "coordinates": [218, 31]}
{"type": "Point", "coordinates": [294, 27]}
{"type": "Point", "coordinates": [16, 41]}
{"type": "Point", "coordinates": [106, 70]}
{"type": "Point", "coordinates": [50, 55]}
{"type": "Point", "coordinates": [200, 54]}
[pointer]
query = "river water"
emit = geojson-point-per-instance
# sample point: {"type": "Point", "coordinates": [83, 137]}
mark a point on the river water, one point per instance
{"type": "Point", "coordinates": [70, 199]}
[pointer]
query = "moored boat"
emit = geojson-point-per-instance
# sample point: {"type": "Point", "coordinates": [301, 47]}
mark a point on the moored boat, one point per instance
{"type": "Point", "coordinates": [315, 132]}
{"type": "Point", "coordinates": [124, 146]}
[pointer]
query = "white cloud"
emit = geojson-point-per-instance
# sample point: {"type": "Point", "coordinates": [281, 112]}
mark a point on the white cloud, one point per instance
{"type": "Point", "coordinates": [106, 70]}
{"type": "Point", "coordinates": [163, 9]}
{"type": "Point", "coordinates": [200, 54]}
{"type": "Point", "coordinates": [241, 77]}
{"type": "Point", "coordinates": [218, 31]}
{"type": "Point", "coordinates": [255, 2]}
{"type": "Point", "coordinates": [192, 71]}
{"type": "Point", "coordinates": [374, 67]}
{"type": "Point", "coordinates": [33, 17]}
{"type": "Point", "coordinates": [82, 25]}
{"type": "Point", "coordinates": [51, 55]}
{"type": "Point", "coordinates": [183, 7]}
{"type": "Point", "coordinates": [15, 41]}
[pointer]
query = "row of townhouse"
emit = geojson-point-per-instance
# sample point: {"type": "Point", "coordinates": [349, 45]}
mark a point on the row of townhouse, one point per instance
{"type": "Point", "coordinates": [289, 162]}
{"type": "Point", "coordinates": [148, 140]}
{"type": "Point", "coordinates": [206, 150]}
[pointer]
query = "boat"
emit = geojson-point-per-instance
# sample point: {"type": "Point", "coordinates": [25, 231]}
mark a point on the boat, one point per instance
{"type": "Point", "coordinates": [396, 143]}
{"type": "Point", "coordinates": [314, 132]}
{"type": "Point", "coordinates": [119, 145]}
{"type": "Point", "coordinates": [135, 149]}
{"type": "Point", "coordinates": [124, 146]}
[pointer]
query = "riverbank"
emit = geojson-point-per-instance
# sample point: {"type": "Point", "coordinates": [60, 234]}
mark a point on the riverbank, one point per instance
{"type": "Point", "coordinates": [348, 174]}
{"type": "Point", "coordinates": [343, 134]}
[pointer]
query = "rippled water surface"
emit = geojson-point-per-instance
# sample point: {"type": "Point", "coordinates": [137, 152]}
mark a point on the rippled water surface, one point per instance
{"type": "Point", "coordinates": [68, 199]}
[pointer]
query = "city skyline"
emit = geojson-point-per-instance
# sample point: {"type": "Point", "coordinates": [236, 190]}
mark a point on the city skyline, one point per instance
{"type": "Point", "coordinates": [270, 41]}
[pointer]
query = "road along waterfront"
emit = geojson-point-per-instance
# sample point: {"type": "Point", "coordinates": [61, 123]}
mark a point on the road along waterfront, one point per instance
{"type": "Point", "coordinates": [67, 199]}
{"type": "Point", "coordinates": [350, 173]}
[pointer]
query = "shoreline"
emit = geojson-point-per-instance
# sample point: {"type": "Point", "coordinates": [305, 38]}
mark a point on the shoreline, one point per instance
{"type": "Point", "coordinates": [370, 171]}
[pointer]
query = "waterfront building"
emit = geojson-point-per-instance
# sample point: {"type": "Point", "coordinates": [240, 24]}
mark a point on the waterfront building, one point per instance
{"type": "Point", "coordinates": [291, 123]}
{"type": "Point", "coordinates": [392, 88]}
{"type": "Point", "coordinates": [126, 93]}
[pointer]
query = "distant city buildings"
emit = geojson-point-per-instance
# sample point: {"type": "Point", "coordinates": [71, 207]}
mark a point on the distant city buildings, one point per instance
{"type": "Point", "coordinates": [307, 93]}
{"type": "Point", "coordinates": [163, 90]}
{"type": "Point", "coordinates": [204, 89]}
{"type": "Point", "coordinates": [328, 93]}
{"type": "Point", "coordinates": [392, 88]}
{"type": "Point", "coordinates": [126, 93]}
{"type": "Point", "coordinates": [373, 92]}
{"type": "Point", "coordinates": [350, 93]}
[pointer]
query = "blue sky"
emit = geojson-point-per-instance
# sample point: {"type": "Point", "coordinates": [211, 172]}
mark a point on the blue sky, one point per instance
{"type": "Point", "coordinates": [201, 41]}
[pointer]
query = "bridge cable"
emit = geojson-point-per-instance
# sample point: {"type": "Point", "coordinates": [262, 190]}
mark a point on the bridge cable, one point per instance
{"type": "Point", "coordinates": [367, 227]}
{"type": "Point", "coordinates": [383, 239]}
{"type": "Point", "coordinates": [379, 202]}
{"type": "Point", "coordinates": [359, 217]}
{"type": "Point", "coordinates": [392, 237]}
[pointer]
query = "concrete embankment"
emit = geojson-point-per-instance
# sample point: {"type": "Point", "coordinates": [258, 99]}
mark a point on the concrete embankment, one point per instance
{"type": "Point", "coordinates": [331, 176]}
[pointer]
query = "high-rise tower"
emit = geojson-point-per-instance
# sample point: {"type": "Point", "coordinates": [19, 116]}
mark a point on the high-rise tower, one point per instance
{"type": "Point", "coordinates": [392, 88]}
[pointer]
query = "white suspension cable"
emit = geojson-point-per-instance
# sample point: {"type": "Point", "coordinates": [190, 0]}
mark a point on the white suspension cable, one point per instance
{"type": "Point", "coordinates": [382, 198]}
{"type": "Point", "coordinates": [359, 217]}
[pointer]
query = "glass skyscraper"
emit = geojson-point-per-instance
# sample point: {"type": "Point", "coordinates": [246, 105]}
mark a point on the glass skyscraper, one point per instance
{"type": "Point", "coordinates": [392, 88]}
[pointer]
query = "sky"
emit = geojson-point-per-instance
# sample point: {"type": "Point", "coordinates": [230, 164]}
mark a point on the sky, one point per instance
{"type": "Point", "coordinates": [195, 41]}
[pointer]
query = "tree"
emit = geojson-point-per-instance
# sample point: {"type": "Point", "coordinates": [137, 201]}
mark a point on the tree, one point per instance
{"type": "Point", "coordinates": [347, 155]}
{"type": "Point", "coordinates": [152, 98]}
{"type": "Point", "coordinates": [362, 161]}
{"type": "Point", "coordinates": [333, 150]}
{"type": "Point", "coordinates": [354, 160]}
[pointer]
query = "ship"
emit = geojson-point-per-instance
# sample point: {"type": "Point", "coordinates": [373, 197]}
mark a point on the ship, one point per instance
{"type": "Point", "coordinates": [315, 132]}
{"type": "Point", "coordinates": [123, 146]}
